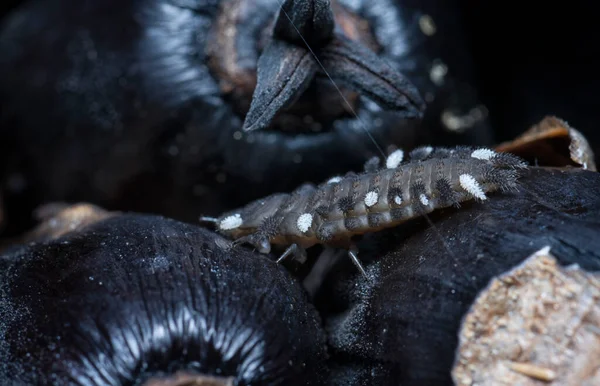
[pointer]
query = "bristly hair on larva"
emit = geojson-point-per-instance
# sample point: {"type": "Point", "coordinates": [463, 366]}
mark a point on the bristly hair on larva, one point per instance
{"type": "Point", "coordinates": [380, 197]}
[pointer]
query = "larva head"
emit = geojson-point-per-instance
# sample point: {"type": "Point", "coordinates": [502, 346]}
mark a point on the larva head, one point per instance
{"type": "Point", "coordinates": [233, 226]}
{"type": "Point", "coordinates": [249, 219]}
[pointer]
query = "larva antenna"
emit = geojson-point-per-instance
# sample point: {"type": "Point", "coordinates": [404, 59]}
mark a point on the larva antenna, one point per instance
{"type": "Point", "coordinates": [211, 220]}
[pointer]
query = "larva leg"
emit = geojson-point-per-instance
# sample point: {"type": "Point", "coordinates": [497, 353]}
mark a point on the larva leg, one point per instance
{"type": "Point", "coordinates": [257, 240]}
{"type": "Point", "coordinates": [294, 250]}
{"type": "Point", "coordinates": [210, 220]}
{"type": "Point", "coordinates": [353, 254]}
{"type": "Point", "coordinates": [325, 262]}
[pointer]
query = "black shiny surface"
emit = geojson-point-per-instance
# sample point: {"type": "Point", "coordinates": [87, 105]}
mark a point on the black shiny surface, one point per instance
{"type": "Point", "coordinates": [138, 296]}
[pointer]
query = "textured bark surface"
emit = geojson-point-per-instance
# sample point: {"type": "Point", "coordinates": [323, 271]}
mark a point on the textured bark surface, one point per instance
{"type": "Point", "coordinates": [538, 322]}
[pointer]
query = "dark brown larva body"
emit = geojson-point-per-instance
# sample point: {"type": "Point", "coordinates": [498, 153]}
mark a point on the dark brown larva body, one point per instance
{"type": "Point", "coordinates": [335, 211]}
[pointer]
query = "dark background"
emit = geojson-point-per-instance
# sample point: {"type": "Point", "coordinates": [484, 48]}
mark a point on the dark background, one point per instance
{"type": "Point", "coordinates": [536, 60]}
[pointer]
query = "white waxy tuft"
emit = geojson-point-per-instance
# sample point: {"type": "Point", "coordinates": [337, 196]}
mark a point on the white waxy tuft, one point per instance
{"type": "Point", "coordinates": [398, 200]}
{"type": "Point", "coordinates": [424, 199]}
{"type": "Point", "coordinates": [394, 159]}
{"type": "Point", "coordinates": [470, 184]}
{"type": "Point", "coordinates": [334, 180]}
{"type": "Point", "coordinates": [304, 222]}
{"type": "Point", "coordinates": [486, 154]}
{"type": "Point", "coordinates": [231, 222]}
{"type": "Point", "coordinates": [427, 150]}
{"type": "Point", "coordinates": [371, 198]}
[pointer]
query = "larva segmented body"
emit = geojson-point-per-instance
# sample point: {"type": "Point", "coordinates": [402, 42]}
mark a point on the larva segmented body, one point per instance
{"type": "Point", "coordinates": [335, 211]}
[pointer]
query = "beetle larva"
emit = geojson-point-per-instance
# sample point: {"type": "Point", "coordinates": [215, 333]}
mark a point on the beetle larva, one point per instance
{"type": "Point", "coordinates": [380, 197]}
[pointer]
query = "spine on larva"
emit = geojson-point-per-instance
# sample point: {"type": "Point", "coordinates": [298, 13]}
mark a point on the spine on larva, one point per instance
{"type": "Point", "coordinates": [342, 207]}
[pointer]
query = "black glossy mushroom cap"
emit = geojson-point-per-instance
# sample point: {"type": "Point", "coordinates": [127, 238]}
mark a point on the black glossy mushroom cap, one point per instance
{"type": "Point", "coordinates": [137, 298]}
{"type": "Point", "coordinates": [403, 327]}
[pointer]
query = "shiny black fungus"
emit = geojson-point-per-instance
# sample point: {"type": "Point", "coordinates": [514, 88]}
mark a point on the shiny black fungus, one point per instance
{"type": "Point", "coordinates": [140, 105]}
{"type": "Point", "coordinates": [403, 327]}
{"type": "Point", "coordinates": [136, 298]}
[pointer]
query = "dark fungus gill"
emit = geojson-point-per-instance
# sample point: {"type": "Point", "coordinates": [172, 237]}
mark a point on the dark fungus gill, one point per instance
{"type": "Point", "coordinates": [140, 105]}
{"type": "Point", "coordinates": [144, 300]}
